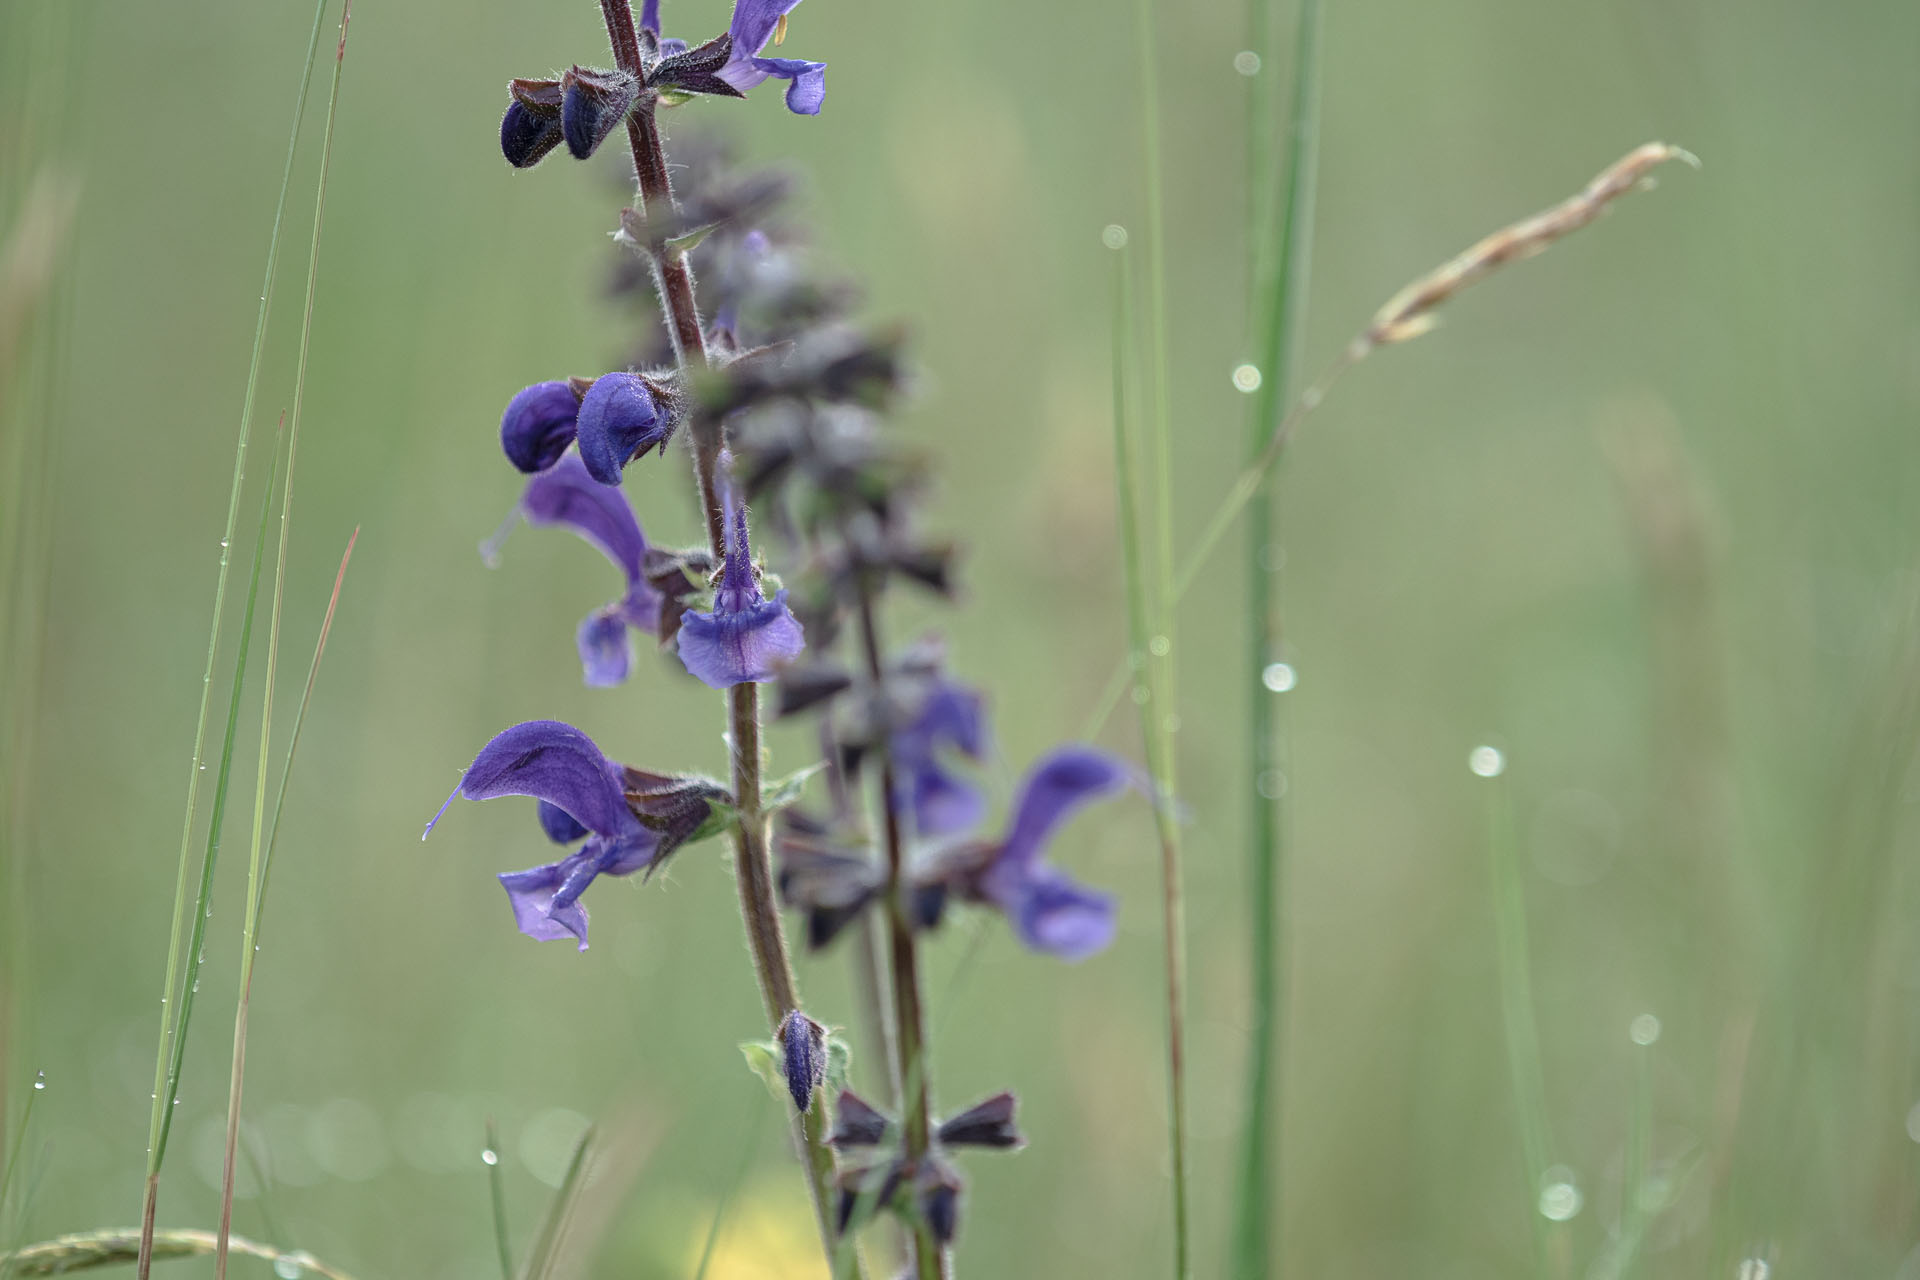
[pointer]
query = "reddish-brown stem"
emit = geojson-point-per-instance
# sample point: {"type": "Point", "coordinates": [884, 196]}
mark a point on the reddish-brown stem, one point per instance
{"type": "Point", "coordinates": [753, 869]}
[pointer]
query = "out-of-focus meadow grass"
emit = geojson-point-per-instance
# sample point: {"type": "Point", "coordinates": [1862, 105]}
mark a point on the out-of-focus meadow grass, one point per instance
{"type": "Point", "coordinates": [1643, 513]}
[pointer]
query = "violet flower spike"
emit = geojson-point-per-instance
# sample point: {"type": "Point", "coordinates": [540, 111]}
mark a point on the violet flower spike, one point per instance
{"type": "Point", "coordinates": [746, 638]}
{"type": "Point", "coordinates": [941, 802]}
{"type": "Point", "coordinates": [581, 794]}
{"type": "Point", "coordinates": [566, 495]}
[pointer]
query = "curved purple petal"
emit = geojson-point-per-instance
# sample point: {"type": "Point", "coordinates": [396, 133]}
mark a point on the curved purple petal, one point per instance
{"type": "Point", "coordinates": [806, 82]}
{"type": "Point", "coordinates": [1059, 784]}
{"type": "Point", "coordinates": [738, 646]}
{"type": "Point", "coordinates": [559, 824]}
{"type": "Point", "coordinates": [539, 423]}
{"type": "Point", "coordinates": [567, 494]}
{"type": "Point", "coordinates": [650, 16]}
{"type": "Point", "coordinates": [557, 763]}
{"type": "Point", "coordinates": [606, 652]}
{"type": "Point", "coordinates": [1063, 918]}
{"type": "Point", "coordinates": [619, 421]}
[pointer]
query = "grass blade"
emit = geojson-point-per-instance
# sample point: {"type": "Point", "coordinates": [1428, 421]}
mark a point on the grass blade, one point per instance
{"type": "Point", "coordinates": [257, 857]}
{"type": "Point", "coordinates": [547, 1244]}
{"type": "Point", "coordinates": [1516, 992]}
{"type": "Point", "coordinates": [1282, 304]}
{"type": "Point", "coordinates": [1161, 715]}
{"type": "Point", "coordinates": [497, 1187]}
{"type": "Point", "coordinates": [163, 1093]}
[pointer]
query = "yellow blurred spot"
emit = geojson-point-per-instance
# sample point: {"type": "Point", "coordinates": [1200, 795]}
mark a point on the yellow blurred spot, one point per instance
{"type": "Point", "coordinates": [767, 1235]}
{"type": "Point", "coordinates": [780, 31]}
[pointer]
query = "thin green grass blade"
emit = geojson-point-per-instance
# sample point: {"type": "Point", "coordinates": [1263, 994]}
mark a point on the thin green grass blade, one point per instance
{"type": "Point", "coordinates": [1283, 272]}
{"type": "Point", "coordinates": [19, 1141]}
{"type": "Point", "coordinates": [1150, 696]}
{"type": "Point", "coordinates": [547, 1244]}
{"type": "Point", "coordinates": [1161, 715]}
{"type": "Point", "coordinates": [196, 934]}
{"type": "Point", "coordinates": [256, 861]}
{"type": "Point", "coordinates": [497, 1192]}
{"type": "Point", "coordinates": [160, 1118]}
{"type": "Point", "coordinates": [1516, 992]}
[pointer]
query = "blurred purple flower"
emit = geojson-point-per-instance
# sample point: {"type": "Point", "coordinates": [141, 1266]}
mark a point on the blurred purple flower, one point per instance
{"type": "Point", "coordinates": [941, 801]}
{"type": "Point", "coordinates": [565, 494]}
{"type": "Point", "coordinates": [1049, 911]}
{"type": "Point", "coordinates": [746, 637]}
{"type": "Point", "coordinates": [582, 794]}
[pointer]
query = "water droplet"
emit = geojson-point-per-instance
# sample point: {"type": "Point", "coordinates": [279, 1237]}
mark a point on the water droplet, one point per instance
{"type": "Point", "coordinates": [1247, 62]}
{"type": "Point", "coordinates": [1272, 784]}
{"type": "Point", "coordinates": [1487, 762]}
{"type": "Point", "coordinates": [489, 1156]}
{"type": "Point", "coordinates": [1114, 236]}
{"type": "Point", "coordinates": [1560, 1199]}
{"type": "Point", "coordinates": [1913, 1122]}
{"type": "Point", "coordinates": [1160, 646]}
{"type": "Point", "coordinates": [290, 1266]}
{"type": "Point", "coordinates": [1753, 1269]}
{"type": "Point", "coordinates": [196, 986]}
{"type": "Point", "coordinates": [223, 542]}
{"type": "Point", "coordinates": [39, 1079]}
{"type": "Point", "coordinates": [1644, 1029]}
{"type": "Point", "coordinates": [1172, 724]}
{"type": "Point", "coordinates": [1142, 695]}
{"type": "Point", "coordinates": [1246, 377]}
{"type": "Point", "coordinates": [1278, 676]}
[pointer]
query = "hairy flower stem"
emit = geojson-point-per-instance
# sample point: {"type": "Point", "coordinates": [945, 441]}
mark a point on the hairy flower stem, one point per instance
{"type": "Point", "coordinates": [753, 869]}
{"type": "Point", "coordinates": [909, 1022]}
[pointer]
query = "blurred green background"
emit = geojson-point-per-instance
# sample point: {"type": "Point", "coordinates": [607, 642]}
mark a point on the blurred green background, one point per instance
{"type": "Point", "coordinates": [1642, 513]}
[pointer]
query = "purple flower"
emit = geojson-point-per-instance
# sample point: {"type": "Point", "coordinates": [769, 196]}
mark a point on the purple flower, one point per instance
{"type": "Point", "coordinates": [620, 420]}
{"type": "Point", "coordinates": [941, 801]}
{"type": "Point", "coordinates": [539, 425]}
{"type": "Point", "coordinates": [754, 23]}
{"type": "Point", "coordinates": [1049, 911]}
{"type": "Point", "coordinates": [582, 793]}
{"type": "Point", "coordinates": [564, 494]}
{"type": "Point", "coordinates": [746, 637]}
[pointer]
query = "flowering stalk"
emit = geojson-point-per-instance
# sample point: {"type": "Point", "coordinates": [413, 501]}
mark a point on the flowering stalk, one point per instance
{"type": "Point", "coordinates": [909, 1023]}
{"type": "Point", "coordinates": [759, 911]}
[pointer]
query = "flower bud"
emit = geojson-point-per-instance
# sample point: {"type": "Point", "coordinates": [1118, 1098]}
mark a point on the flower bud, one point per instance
{"type": "Point", "coordinates": [593, 104]}
{"type": "Point", "coordinates": [538, 425]}
{"type": "Point", "coordinates": [531, 127]}
{"type": "Point", "coordinates": [804, 1042]}
{"type": "Point", "coordinates": [856, 1123]}
{"type": "Point", "coordinates": [986, 1124]}
{"type": "Point", "coordinates": [936, 1197]}
{"type": "Point", "coordinates": [620, 420]}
